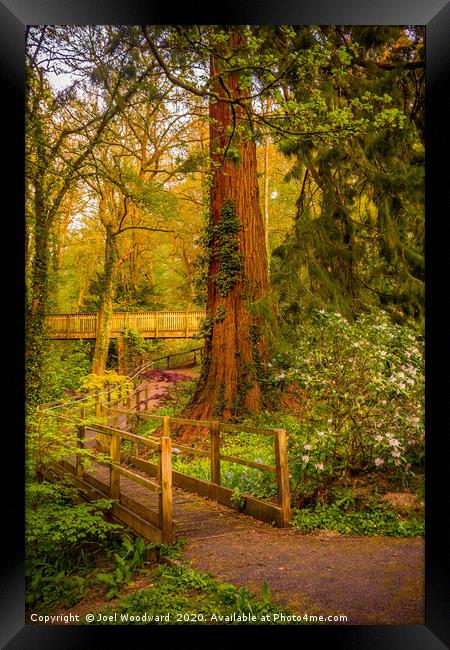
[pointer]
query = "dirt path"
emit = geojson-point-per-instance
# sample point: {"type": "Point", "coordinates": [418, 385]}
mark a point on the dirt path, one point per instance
{"type": "Point", "coordinates": [371, 580]}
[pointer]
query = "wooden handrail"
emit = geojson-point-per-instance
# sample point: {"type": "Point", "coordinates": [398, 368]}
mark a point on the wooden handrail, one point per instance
{"type": "Point", "coordinates": [153, 324]}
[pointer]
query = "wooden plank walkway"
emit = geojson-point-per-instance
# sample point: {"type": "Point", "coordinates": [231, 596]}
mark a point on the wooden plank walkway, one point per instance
{"type": "Point", "coordinates": [193, 516]}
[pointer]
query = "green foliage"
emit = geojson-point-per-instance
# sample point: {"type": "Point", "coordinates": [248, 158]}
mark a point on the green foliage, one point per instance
{"type": "Point", "coordinates": [125, 561]}
{"type": "Point", "coordinates": [136, 348]}
{"type": "Point", "coordinates": [357, 239]}
{"type": "Point", "coordinates": [47, 587]}
{"type": "Point", "coordinates": [376, 519]}
{"type": "Point", "coordinates": [241, 479]}
{"type": "Point", "coordinates": [237, 498]}
{"type": "Point", "coordinates": [65, 364]}
{"type": "Point", "coordinates": [220, 240]}
{"type": "Point", "coordinates": [57, 525]}
{"type": "Point", "coordinates": [181, 595]}
{"type": "Point", "coordinates": [62, 538]}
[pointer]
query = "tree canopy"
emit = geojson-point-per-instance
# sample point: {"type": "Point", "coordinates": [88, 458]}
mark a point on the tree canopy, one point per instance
{"type": "Point", "coordinates": [133, 132]}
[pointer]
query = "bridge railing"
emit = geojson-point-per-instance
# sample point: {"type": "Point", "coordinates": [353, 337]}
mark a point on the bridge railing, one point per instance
{"type": "Point", "coordinates": [133, 413]}
{"type": "Point", "coordinates": [153, 324]}
{"type": "Point", "coordinates": [74, 452]}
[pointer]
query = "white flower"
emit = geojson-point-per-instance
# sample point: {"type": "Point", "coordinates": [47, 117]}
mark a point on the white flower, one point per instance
{"type": "Point", "coordinates": [319, 465]}
{"type": "Point", "coordinates": [379, 461]}
{"type": "Point", "coordinates": [305, 459]}
{"type": "Point", "coordinates": [306, 446]}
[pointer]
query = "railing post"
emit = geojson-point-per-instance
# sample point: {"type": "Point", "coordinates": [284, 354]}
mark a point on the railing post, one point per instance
{"type": "Point", "coordinates": [281, 462]}
{"type": "Point", "coordinates": [127, 416]}
{"type": "Point", "coordinates": [166, 426]}
{"type": "Point", "coordinates": [146, 399]}
{"type": "Point", "coordinates": [81, 433]}
{"type": "Point", "coordinates": [114, 476]}
{"type": "Point", "coordinates": [214, 429]}
{"type": "Point", "coordinates": [165, 481]}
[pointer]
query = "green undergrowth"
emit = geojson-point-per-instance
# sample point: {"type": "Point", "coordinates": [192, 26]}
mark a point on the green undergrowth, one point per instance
{"type": "Point", "coordinates": [65, 541]}
{"type": "Point", "coordinates": [375, 519]}
{"type": "Point", "coordinates": [180, 595]}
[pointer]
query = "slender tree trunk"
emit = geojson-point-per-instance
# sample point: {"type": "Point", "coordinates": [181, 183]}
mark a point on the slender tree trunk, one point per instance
{"type": "Point", "coordinates": [106, 305]}
{"type": "Point", "coordinates": [35, 325]}
{"type": "Point", "coordinates": [235, 350]}
{"type": "Point", "coordinates": [266, 187]}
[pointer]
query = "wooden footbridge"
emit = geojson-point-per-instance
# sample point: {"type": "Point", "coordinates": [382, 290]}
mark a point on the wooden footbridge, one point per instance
{"type": "Point", "coordinates": [96, 440]}
{"type": "Point", "coordinates": [151, 324]}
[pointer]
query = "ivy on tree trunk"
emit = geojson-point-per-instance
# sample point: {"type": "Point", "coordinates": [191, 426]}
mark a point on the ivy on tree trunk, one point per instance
{"type": "Point", "coordinates": [237, 261]}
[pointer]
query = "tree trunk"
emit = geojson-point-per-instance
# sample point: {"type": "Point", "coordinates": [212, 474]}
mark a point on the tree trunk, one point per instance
{"type": "Point", "coordinates": [235, 350]}
{"type": "Point", "coordinates": [106, 305]}
{"type": "Point", "coordinates": [35, 325]}
{"type": "Point", "coordinates": [266, 187]}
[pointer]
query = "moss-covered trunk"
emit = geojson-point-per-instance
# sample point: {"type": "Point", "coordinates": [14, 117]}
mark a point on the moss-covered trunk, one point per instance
{"type": "Point", "coordinates": [35, 323]}
{"type": "Point", "coordinates": [106, 305]}
{"type": "Point", "coordinates": [237, 273]}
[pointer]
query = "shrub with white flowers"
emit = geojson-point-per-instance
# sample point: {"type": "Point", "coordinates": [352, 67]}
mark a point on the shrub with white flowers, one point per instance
{"type": "Point", "coordinates": [364, 387]}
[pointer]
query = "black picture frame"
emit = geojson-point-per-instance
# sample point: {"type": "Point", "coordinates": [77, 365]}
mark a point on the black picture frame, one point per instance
{"type": "Point", "coordinates": [435, 14]}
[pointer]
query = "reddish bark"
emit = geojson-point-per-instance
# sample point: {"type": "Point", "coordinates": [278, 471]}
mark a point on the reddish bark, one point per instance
{"type": "Point", "coordinates": [230, 379]}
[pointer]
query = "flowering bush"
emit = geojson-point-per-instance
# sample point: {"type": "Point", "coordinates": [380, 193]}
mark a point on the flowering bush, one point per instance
{"type": "Point", "coordinates": [110, 379]}
{"type": "Point", "coordinates": [364, 387]}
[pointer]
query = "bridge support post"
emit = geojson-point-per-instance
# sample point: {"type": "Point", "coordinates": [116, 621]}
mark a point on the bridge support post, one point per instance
{"type": "Point", "coordinates": [281, 463]}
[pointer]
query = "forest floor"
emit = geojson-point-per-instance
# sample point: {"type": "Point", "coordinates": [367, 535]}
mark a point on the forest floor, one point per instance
{"type": "Point", "coordinates": [370, 580]}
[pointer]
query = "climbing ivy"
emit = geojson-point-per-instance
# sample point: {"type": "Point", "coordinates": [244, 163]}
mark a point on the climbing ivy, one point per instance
{"type": "Point", "coordinates": [228, 254]}
{"type": "Point", "coordinates": [221, 240]}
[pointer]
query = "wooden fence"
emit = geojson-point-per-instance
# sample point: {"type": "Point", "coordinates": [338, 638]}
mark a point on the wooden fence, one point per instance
{"type": "Point", "coordinates": [154, 324]}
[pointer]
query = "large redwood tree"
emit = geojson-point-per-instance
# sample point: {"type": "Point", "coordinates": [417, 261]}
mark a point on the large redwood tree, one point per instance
{"type": "Point", "coordinates": [235, 350]}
